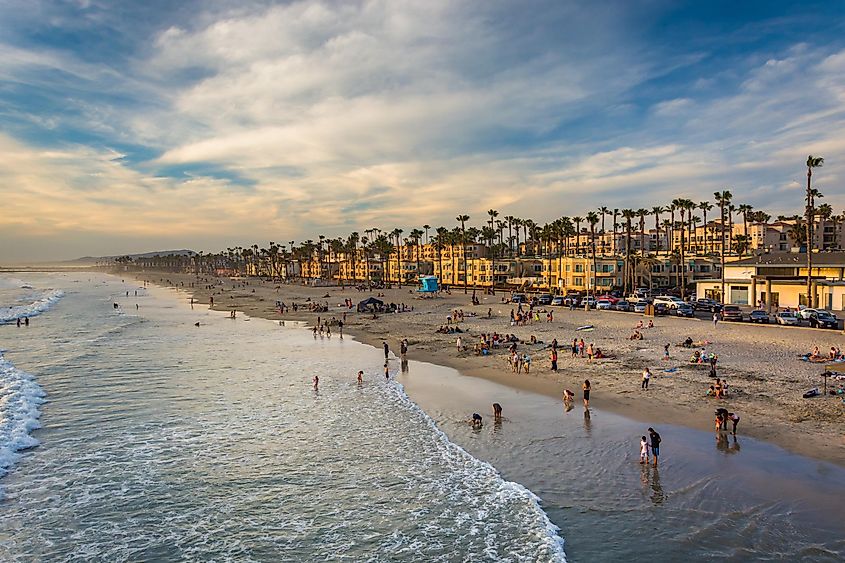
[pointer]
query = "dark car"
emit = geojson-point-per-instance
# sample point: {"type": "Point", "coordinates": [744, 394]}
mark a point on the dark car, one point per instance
{"type": "Point", "coordinates": [685, 310]}
{"type": "Point", "coordinates": [519, 298]}
{"type": "Point", "coordinates": [823, 319]}
{"type": "Point", "coordinates": [759, 317]}
{"type": "Point", "coordinates": [731, 313]}
{"type": "Point", "coordinates": [623, 305]}
{"type": "Point", "coordinates": [705, 304]}
{"type": "Point", "coordinates": [660, 309]}
{"type": "Point", "coordinates": [545, 299]}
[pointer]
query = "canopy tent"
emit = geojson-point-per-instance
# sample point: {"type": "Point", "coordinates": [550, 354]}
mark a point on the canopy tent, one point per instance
{"type": "Point", "coordinates": [428, 284]}
{"type": "Point", "coordinates": [370, 304]}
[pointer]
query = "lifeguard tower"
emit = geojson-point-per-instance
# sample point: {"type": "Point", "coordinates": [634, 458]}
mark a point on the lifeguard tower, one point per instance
{"type": "Point", "coordinates": [428, 284]}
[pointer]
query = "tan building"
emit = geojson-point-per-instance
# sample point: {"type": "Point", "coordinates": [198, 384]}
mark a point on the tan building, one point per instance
{"type": "Point", "coordinates": [779, 280]}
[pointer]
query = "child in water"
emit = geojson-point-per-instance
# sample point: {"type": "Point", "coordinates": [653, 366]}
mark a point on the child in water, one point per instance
{"type": "Point", "coordinates": [644, 450]}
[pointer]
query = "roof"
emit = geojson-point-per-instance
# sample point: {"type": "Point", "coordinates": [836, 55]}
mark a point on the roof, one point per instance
{"type": "Point", "coordinates": [820, 259]}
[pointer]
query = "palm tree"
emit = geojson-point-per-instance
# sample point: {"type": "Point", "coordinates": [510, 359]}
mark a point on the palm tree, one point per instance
{"type": "Point", "coordinates": [722, 198]}
{"type": "Point", "coordinates": [705, 206]}
{"type": "Point", "coordinates": [812, 162]}
{"type": "Point", "coordinates": [671, 235]}
{"type": "Point", "coordinates": [463, 219]}
{"type": "Point", "coordinates": [426, 227]}
{"type": "Point", "coordinates": [615, 225]}
{"type": "Point", "coordinates": [656, 211]}
{"type": "Point", "coordinates": [604, 211]}
{"type": "Point", "coordinates": [628, 215]}
{"type": "Point", "coordinates": [592, 220]}
{"type": "Point", "coordinates": [577, 221]}
{"type": "Point", "coordinates": [641, 213]}
{"type": "Point", "coordinates": [439, 245]}
{"type": "Point", "coordinates": [416, 236]}
{"type": "Point", "coordinates": [745, 209]}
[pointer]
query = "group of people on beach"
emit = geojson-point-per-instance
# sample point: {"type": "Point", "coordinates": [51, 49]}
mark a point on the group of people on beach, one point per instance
{"type": "Point", "coordinates": [25, 321]}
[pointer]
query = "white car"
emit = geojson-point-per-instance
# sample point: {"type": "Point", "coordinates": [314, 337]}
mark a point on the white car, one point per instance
{"type": "Point", "coordinates": [669, 301]}
{"type": "Point", "coordinates": [786, 318]}
{"type": "Point", "coordinates": [603, 304]}
{"type": "Point", "coordinates": [589, 299]}
{"type": "Point", "coordinates": [806, 313]}
{"type": "Point", "coordinates": [639, 306]}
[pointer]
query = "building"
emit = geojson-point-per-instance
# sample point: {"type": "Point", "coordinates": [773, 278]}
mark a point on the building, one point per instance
{"type": "Point", "coordinates": [780, 280]}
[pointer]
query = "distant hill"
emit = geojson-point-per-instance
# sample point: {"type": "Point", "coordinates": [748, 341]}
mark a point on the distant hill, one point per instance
{"type": "Point", "coordinates": [94, 259]}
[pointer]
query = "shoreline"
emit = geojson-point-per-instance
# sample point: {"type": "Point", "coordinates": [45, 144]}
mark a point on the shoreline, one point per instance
{"type": "Point", "coordinates": [616, 384]}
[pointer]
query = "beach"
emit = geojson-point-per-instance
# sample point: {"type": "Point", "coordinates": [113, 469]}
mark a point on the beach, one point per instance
{"type": "Point", "coordinates": [761, 363]}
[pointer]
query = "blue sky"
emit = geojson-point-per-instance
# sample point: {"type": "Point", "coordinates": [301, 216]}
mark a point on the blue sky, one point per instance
{"type": "Point", "coordinates": [131, 126]}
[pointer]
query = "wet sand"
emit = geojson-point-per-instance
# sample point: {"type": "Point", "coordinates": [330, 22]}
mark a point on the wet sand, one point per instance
{"type": "Point", "coordinates": [760, 362]}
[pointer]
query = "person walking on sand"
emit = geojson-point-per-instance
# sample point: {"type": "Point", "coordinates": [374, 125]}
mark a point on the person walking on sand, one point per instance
{"type": "Point", "coordinates": [666, 353]}
{"type": "Point", "coordinates": [646, 378]}
{"type": "Point", "coordinates": [715, 319]}
{"type": "Point", "coordinates": [644, 451]}
{"type": "Point", "coordinates": [554, 360]}
{"type": "Point", "coordinates": [655, 444]}
{"type": "Point", "coordinates": [574, 347]}
{"type": "Point", "coordinates": [586, 388]}
{"type": "Point", "coordinates": [386, 350]}
{"type": "Point", "coordinates": [459, 343]}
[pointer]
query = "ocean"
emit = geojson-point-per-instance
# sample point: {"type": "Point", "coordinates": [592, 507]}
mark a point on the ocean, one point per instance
{"type": "Point", "coordinates": [130, 434]}
{"type": "Point", "coordinates": [159, 440]}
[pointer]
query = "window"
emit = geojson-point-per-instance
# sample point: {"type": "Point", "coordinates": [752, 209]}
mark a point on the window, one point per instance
{"type": "Point", "coordinates": [579, 267]}
{"type": "Point", "coordinates": [578, 280]}
{"type": "Point", "coordinates": [538, 268]}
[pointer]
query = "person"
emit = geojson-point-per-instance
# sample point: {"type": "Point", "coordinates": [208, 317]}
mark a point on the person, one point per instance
{"type": "Point", "coordinates": [476, 420]}
{"type": "Point", "coordinates": [590, 352]}
{"type": "Point", "coordinates": [666, 352]}
{"type": "Point", "coordinates": [554, 360]}
{"type": "Point", "coordinates": [19, 321]}
{"type": "Point", "coordinates": [688, 342]}
{"type": "Point", "coordinates": [497, 411]}
{"type": "Point", "coordinates": [526, 363]}
{"type": "Point", "coordinates": [316, 382]}
{"type": "Point", "coordinates": [386, 371]}
{"type": "Point", "coordinates": [644, 451]}
{"type": "Point", "coordinates": [646, 378]}
{"type": "Point", "coordinates": [655, 444]}
{"type": "Point", "coordinates": [459, 343]}
{"type": "Point", "coordinates": [650, 324]}
{"type": "Point", "coordinates": [715, 319]}
{"type": "Point", "coordinates": [403, 347]}
{"type": "Point", "coordinates": [574, 347]}
{"type": "Point", "coordinates": [734, 418]}
{"type": "Point", "coordinates": [360, 377]}
{"type": "Point", "coordinates": [586, 389]}
{"type": "Point", "coordinates": [386, 350]}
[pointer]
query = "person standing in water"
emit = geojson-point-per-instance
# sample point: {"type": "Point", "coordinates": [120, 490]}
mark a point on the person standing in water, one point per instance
{"type": "Point", "coordinates": [386, 371]}
{"type": "Point", "coordinates": [655, 444]}
{"type": "Point", "coordinates": [586, 388]}
{"type": "Point", "coordinates": [316, 382]}
{"type": "Point", "coordinates": [386, 350]}
{"type": "Point", "coordinates": [360, 377]}
{"type": "Point", "coordinates": [644, 451]}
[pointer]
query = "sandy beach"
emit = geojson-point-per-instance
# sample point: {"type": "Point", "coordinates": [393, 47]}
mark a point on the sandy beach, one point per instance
{"type": "Point", "coordinates": [761, 363]}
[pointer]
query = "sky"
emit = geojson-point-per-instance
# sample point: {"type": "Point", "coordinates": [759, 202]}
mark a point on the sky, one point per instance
{"type": "Point", "coordinates": [136, 126]}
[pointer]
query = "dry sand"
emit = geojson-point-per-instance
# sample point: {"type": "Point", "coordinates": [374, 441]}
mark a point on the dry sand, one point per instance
{"type": "Point", "coordinates": [760, 362]}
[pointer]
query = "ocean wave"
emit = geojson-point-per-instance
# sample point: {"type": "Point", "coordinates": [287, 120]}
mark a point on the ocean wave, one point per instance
{"type": "Point", "coordinates": [33, 309]}
{"type": "Point", "coordinates": [20, 397]}
{"type": "Point", "coordinates": [550, 543]}
{"type": "Point", "coordinates": [13, 283]}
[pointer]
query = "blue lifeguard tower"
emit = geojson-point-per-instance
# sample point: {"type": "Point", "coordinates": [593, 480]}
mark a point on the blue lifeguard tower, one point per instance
{"type": "Point", "coordinates": [428, 284]}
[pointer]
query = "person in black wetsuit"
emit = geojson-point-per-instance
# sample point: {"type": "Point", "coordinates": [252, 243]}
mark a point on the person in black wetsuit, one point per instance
{"type": "Point", "coordinates": [386, 350]}
{"type": "Point", "coordinates": [655, 444]}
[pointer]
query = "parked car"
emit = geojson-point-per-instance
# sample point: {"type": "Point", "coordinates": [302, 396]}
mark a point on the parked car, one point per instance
{"type": "Point", "coordinates": [731, 313]}
{"type": "Point", "coordinates": [588, 300]}
{"type": "Point", "coordinates": [787, 318]}
{"type": "Point", "coordinates": [623, 305]}
{"type": "Point", "coordinates": [806, 313]}
{"type": "Point", "coordinates": [603, 304]}
{"type": "Point", "coordinates": [823, 319]}
{"type": "Point", "coordinates": [557, 301]}
{"type": "Point", "coordinates": [705, 304]}
{"type": "Point", "coordinates": [544, 299]}
{"type": "Point", "coordinates": [670, 301]}
{"type": "Point", "coordinates": [607, 297]}
{"type": "Point", "coordinates": [661, 309]}
{"type": "Point", "coordinates": [759, 316]}
{"type": "Point", "coordinates": [685, 310]}
{"type": "Point", "coordinates": [639, 306]}
{"type": "Point", "coordinates": [519, 298]}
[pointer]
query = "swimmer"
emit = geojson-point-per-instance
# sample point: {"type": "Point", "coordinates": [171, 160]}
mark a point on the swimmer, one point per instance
{"type": "Point", "coordinates": [497, 411]}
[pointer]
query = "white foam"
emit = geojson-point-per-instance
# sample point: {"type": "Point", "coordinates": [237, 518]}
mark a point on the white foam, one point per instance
{"type": "Point", "coordinates": [33, 309]}
{"type": "Point", "coordinates": [20, 397]}
{"type": "Point", "coordinates": [13, 283]}
{"type": "Point", "coordinates": [549, 538]}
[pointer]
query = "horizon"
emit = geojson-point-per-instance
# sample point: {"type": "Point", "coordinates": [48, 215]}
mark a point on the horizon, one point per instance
{"type": "Point", "coordinates": [131, 128]}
